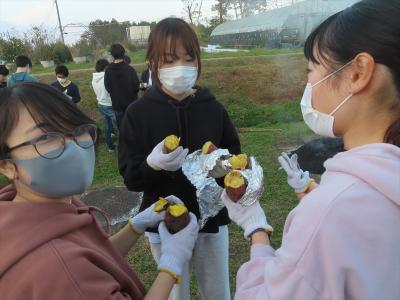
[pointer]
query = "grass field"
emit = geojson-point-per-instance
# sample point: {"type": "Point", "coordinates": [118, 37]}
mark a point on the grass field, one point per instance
{"type": "Point", "coordinates": [139, 56]}
{"type": "Point", "coordinates": [262, 96]}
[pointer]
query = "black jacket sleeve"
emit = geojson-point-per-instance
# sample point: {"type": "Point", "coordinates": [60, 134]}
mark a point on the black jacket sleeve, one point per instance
{"type": "Point", "coordinates": [74, 93]}
{"type": "Point", "coordinates": [135, 81]}
{"type": "Point", "coordinates": [107, 82]}
{"type": "Point", "coordinates": [133, 167]}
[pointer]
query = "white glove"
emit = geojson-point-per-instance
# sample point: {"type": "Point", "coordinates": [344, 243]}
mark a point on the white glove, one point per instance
{"type": "Point", "coordinates": [297, 178]}
{"type": "Point", "coordinates": [149, 218]}
{"type": "Point", "coordinates": [177, 249]}
{"type": "Point", "coordinates": [249, 218]}
{"type": "Point", "coordinates": [173, 161]}
{"type": "Point", "coordinates": [146, 219]}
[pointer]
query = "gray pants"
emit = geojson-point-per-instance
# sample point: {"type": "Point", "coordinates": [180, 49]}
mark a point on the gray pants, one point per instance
{"type": "Point", "coordinates": [210, 262]}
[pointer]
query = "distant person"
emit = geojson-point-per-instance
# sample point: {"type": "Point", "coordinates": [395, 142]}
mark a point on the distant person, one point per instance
{"type": "Point", "coordinates": [24, 65]}
{"type": "Point", "coordinates": [104, 102]}
{"type": "Point", "coordinates": [3, 76]}
{"type": "Point", "coordinates": [146, 78]}
{"type": "Point", "coordinates": [121, 81]}
{"type": "Point", "coordinates": [64, 85]}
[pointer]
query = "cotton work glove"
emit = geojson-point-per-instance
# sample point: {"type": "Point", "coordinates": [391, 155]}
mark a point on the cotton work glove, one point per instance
{"type": "Point", "coordinates": [149, 218]}
{"type": "Point", "coordinates": [249, 218]}
{"type": "Point", "coordinates": [177, 249]}
{"type": "Point", "coordinates": [298, 179]}
{"type": "Point", "coordinates": [173, 161]}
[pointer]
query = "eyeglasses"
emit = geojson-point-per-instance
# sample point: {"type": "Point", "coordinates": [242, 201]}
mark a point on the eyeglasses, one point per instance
{"type": "Point", "coordinates": [52, 144]}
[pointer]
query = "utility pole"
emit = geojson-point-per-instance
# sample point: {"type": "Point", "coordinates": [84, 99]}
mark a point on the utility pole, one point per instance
{"type": "Point", "coordinates": [59, 22]}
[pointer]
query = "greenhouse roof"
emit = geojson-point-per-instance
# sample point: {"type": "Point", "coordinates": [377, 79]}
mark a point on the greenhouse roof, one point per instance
{"type": "Point", "coordinates": [275, 19]}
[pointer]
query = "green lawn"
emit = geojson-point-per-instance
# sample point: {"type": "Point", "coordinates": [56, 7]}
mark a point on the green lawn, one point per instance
{"type": "Point", "coordinates": [261, 95]}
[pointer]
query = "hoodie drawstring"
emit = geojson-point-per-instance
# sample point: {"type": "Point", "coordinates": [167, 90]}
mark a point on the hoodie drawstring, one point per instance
{"type": "Point", "coordinates": [90, 210]}
{"type": "Point", "coordinates": [178, 108]}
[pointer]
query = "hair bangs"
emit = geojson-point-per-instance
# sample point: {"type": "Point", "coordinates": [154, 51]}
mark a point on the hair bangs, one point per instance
{"type": "Point", "coordinates": [318, 43]}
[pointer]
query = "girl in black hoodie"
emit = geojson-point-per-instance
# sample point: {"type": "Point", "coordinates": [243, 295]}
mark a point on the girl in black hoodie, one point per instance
{"type": "Point", "coordinates": [174, 105]}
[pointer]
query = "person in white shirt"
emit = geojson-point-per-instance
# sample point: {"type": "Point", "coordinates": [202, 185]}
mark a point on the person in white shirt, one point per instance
{"type": "Point", "coordinates": [104, 102]}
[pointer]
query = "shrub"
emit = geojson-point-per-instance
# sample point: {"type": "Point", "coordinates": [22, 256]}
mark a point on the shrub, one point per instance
{"type": "Point", "coordinates": [81, 48]}
{"type": "Point", "coordinates": [11, 47]}
{"type": "Point", "coordinates": [62, 54]}
{"type": "Point", "coordinates": [45, 52]}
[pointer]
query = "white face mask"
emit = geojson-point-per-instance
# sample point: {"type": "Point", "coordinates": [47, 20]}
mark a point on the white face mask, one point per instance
{"type": "Point", "coordinates": [178, 80]}
{"type": "Point", "coordinates": [319, 122]}
{"type": "Point", "coordinates": [62, 80]}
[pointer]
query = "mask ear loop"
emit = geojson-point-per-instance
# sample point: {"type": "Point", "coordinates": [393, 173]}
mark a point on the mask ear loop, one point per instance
{"type": "Point", "coordinates": [15, 172]}
{"type": "Point", "coordinates": [341, 104]}
{"type": "Point", "coordinates": [333, 73]}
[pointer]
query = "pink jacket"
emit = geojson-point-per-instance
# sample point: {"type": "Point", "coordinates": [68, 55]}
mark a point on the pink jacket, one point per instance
{"type": "Point", "coordinates": [343, 239]}
{"type": "Point", "coordinates": [59, 251]}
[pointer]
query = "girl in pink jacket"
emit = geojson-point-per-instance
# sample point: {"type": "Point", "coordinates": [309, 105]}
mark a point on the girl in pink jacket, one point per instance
{"type": "Point", "coordinates": [343, 239]}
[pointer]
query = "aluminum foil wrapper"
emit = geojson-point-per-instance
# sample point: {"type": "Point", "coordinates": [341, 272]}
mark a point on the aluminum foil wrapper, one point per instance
{"type": "Point", "coordinates": [196, 168]}
{"type": "Point", "coordinates": [255, 183]}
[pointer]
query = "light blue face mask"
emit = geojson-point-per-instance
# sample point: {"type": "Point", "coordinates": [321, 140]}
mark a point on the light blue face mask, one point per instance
{"type": "Point", "coordinates": [68, 175]}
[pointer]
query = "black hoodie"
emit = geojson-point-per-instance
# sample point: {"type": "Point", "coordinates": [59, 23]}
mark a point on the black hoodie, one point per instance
{"type": "Point", "coordinates": [122, 83]}
{"type": "Point", "coordinates": [196, 119]}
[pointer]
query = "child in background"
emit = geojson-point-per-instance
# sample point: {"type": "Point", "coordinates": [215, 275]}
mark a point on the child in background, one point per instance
{"type": "Point", "coordinates": [121, 82]}
{"type": "Point", "coordinates": [24, 66]}
{"type": "Point", "coordinates": [3, 76]}
{"type": "Point", "coordinates": [174, 105]}
{"type": "Point", "coordinates": [64, 85]}
{"type": "Point", "coordinates": [104, 102]}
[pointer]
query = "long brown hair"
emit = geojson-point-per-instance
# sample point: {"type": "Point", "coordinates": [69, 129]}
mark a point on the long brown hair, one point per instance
{"type": "Point", "coordinates": [170, 32]}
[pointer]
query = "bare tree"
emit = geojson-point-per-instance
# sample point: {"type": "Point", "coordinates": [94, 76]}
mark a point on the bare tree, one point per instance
{"type": "Point", "coordinates": [221, 7]}
{"type": "Point", "coordinates": [199, 14]}
{"type": "Point", "coordinates": [246, 8]}
{"type": "Point", "coordinates": [192, 9]}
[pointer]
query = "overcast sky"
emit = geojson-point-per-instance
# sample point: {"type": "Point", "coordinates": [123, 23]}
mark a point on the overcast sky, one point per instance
{"type": "Point", "coordinates": [21, 14]}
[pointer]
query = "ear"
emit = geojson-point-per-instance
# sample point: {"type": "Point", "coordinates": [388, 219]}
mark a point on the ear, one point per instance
{"type": "Point", "coordinates": [361, 72]}
{"type": "Point", "coordinates": [8, 169]}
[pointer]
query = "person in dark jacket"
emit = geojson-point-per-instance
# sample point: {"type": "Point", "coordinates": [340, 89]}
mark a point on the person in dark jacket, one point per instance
{"type": "Point", "coordinates": [174, 105]}
{"type": "Point", "coordinates": [3, 76]}
{"type": "Point", "coordinates": [121, 82]}
{"type": "Point", "coordinates": [64, 85]}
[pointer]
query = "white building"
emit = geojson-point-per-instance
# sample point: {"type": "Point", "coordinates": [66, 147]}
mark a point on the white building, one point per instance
{"type": "Point", "coordinates": [138, 34]}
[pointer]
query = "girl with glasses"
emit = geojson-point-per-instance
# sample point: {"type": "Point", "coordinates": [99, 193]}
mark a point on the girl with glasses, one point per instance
{"type": "Point", "coordinates": [51, 246]}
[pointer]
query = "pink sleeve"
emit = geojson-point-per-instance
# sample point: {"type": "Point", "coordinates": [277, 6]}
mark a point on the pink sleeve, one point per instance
{"type": "Point", "coordinates": [266, 277]}
{"type": "Point", "coordinates": [250, 278]}
{"type": "Point", "coordinates": [271, 274]}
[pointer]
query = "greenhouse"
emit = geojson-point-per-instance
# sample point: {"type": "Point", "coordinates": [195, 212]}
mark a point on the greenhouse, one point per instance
{"type": "Point", "coordinates": [284, 27]}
